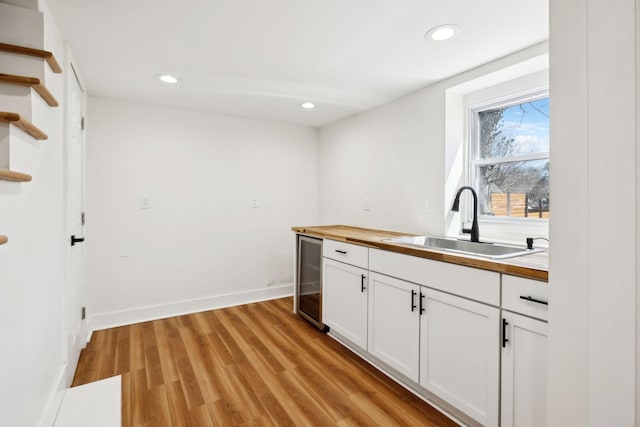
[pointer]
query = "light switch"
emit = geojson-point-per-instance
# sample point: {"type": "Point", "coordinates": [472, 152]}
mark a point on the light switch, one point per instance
{"type": "Point", "coordinates": [367, 204]}
{"type": "Point", "coordinates": [255, 203]}
{"type": "Point", "coordinates": [145, 202]}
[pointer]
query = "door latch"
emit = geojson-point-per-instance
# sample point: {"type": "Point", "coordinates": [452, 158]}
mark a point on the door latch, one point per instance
{"type": "Point", "coordinates": [75, 240]}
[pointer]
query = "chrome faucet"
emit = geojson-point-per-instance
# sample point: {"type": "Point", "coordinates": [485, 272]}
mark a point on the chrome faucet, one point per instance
{"type": "Point", "coordinates": [474, 231]}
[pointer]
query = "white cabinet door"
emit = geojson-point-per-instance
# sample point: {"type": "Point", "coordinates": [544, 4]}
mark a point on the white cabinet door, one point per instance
{"type": "Point", "coordinates": [344, 301]}
{"type": "Point", "coordinates": [524, 372]}
{"type": "Point", "coordinates": [460, 354]}
{"type": "Point", "coordinates": [394, 323]}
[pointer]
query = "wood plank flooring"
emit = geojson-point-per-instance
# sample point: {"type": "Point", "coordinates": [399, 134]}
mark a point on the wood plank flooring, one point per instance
{"type": "Point", "coordinates": [251, 365]}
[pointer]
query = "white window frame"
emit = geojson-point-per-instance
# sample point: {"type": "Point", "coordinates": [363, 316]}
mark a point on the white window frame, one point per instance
{"type": "Point", "coordinates": [503, 80]}
{"type": "Point", "coordinates": [472, 145]}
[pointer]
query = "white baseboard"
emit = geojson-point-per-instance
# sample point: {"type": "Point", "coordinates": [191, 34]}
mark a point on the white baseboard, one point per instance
{"type": "Point", "coordinates": [144, 314]}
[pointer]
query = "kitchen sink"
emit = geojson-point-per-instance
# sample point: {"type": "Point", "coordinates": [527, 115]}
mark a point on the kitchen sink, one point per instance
{"type": "Point", "coordinates": [482, 249]}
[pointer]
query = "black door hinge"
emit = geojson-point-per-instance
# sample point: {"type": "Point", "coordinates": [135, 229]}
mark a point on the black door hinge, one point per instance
{"type": "Point", "coordinates": [83, 218]}
{"type": "Point", "coordinates": [82, 123]}
{"type": "Point", "coordinates": [84, 313]}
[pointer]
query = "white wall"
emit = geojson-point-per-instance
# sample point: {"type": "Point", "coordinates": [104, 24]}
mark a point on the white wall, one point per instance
{"type": "Point", "coordinates": [396, 156]}
{"type": "Point", "coordinates": [393, 155]}
{"type": "Point", "coordinates": [201, 240]}
{"type": "Point", "coordinates": [594, 232]}
{"type": "Point", "coordinates": [33, 356]}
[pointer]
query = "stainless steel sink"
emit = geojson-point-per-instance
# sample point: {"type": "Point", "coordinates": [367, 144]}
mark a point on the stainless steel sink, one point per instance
{"type": "Point", "coordinates": [482, 249]}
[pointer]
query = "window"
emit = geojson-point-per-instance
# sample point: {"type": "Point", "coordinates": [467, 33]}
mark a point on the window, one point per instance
{"type": "Point", "coordinates": [509, 158]}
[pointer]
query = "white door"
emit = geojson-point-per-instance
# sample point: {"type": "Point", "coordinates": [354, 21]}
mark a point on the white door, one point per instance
{"type": "Point", "coordinates": [344, 301]}
{"type": "Point", "coordinates": [524, 372]}
{"type": "Point", "coordinates": [75, 186]}
{"type": "Point", "coordinates": [394, 323]}
{"type": "Point", "coordinates": [460, 354]}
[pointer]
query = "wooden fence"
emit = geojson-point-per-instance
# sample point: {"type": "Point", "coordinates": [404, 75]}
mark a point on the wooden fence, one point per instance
{"type": "Point", "coordinates": [515, 205]}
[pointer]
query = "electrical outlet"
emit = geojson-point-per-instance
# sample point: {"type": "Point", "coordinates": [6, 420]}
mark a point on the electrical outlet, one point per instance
{"type": "Point", "coordinates": [423, 204]}
{"type": "Point", "coordinates": [367, 204]}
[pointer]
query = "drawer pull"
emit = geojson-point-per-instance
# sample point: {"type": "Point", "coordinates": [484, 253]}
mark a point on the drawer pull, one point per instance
{"type": "Point", "coordinates": [341, 252]}
{"type": "Point", "coordinates": [538, 301]}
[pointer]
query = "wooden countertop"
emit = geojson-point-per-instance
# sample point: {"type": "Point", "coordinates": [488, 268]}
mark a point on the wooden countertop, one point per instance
{"type": "Point", "coordinates": [534, 266]}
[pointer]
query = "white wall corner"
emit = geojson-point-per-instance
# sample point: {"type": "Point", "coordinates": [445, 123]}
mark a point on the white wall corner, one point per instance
{"type": "Point", "coordinates": [51, 411]}
{"type": "Point", "coordinates": [145, 314]}
{"type": "Point", "coordinates": [21, 26]}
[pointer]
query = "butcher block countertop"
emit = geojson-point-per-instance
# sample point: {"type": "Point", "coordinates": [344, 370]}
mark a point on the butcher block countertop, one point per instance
{"type": "Point", "coordinates": [534, 266]}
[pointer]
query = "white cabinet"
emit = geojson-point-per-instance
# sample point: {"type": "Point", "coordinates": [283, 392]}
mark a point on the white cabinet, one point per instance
{"type": "Point", "coordinates": [524, 353]}
{"type": "Point", "coordinates": [440, 326]}
{"type": "Point", "coordinates": [346, 252]}
{"type": "Point", "coordinates": [344, 301]}
{"type": "Point", "coordinates": [394, 323]}
{"type": "Point", "coordinates": [473, 283]}
{"type": "Point", "coordinates": [524, 372]}
{"type": "Point", "coordinates": [460, 354]}
{"type": "Point", "coordinates": [525, 296]}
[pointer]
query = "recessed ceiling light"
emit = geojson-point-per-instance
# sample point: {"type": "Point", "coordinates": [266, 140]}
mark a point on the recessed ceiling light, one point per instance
{"type": "Point", "coordinates": [308, 105]}
{"type": "Point", "coordinates": [168, 78]}
{"type": "Point", "coordinates": [443, 32]}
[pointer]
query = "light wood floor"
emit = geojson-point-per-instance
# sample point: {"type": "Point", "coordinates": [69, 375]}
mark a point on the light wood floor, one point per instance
{"type": "Point", "coordinates": [256, 365]}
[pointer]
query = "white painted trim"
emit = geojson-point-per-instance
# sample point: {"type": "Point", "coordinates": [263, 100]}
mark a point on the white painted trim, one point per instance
{"type": "Point", "coordinates": [637, 237]}
{"type": "Point", "coordinates": [51, 411]}
{"type": "Point", "coordinates": [524, 78]}
{"type": "Point", "coordinates": [144, 314]}
{"type": "Point", "coordinates": [73, 336]}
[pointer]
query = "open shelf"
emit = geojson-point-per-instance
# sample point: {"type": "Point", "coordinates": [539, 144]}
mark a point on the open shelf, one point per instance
{"type": "Point", "coordinates": [21, 50]}
{"type": "Point", "coordinates": [30, 82]}
{"type": "Point", "coordinates": [7, 175]}
{"type": "Point", "coordinates": [25, 125]}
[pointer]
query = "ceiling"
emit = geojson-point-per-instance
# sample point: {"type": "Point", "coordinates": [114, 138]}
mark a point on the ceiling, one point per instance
{"type": "Point", "coordinates": [263, 58]}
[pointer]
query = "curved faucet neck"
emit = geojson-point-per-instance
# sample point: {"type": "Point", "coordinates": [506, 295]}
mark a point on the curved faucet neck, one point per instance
{"type": "Point", "coordinates": [474, 230]}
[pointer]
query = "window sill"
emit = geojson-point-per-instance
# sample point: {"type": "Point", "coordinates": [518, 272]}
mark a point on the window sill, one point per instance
{"type": "Point", "coordinates": [511, 232]}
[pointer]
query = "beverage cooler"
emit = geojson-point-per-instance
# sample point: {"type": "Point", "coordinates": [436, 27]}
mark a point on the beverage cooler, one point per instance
{"type": "Point", "coordinates": [309, 280]}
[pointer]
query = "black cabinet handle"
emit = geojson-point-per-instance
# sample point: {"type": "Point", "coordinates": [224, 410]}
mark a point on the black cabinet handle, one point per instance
{"type": "Point", "coordinates": [362, 277]}
{"type": "Point", "coordinates": [413, 300]}
{"type": "Point", "coordinates": [505, 340]}
{"type": "Point", "coordinates": [341, 252]}
{"type": "Point", "coordinates": [538, 301]}
{"type": "Point", "coordinates": [75, 240]}
{"type": "Point", "coordinates": [422, 309]}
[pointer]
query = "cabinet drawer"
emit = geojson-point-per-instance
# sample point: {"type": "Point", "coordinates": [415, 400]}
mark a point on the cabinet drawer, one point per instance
{"type": "Point", "coordinates": [346, 252]}
{"type": "Point", "coordinates": [525, 296]}
{"type": "Point", "coordinates": [472, 283]}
